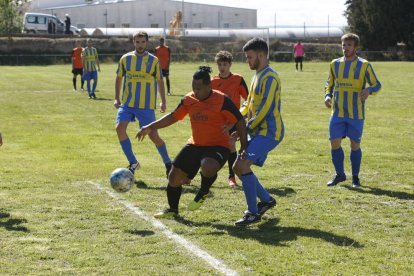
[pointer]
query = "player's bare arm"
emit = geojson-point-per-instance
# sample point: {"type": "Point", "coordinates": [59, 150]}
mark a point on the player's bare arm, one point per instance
{"type": "Point", "coordinates": [165, 121]}
{"type": "Point", "coordinates": [118, 83]}
{"type": "Point", "coordinates": [161, 89]}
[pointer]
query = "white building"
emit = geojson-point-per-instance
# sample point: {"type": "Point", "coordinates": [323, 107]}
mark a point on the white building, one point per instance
{"type": "Point", "coordinates": [146, 13]}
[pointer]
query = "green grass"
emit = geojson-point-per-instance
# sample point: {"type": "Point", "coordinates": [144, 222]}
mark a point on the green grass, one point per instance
{"type": "Point", "coordinates": [54, 221]}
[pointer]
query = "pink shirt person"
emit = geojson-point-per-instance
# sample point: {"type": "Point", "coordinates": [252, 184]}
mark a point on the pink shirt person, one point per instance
{"type": "Point", "coordinates": [298, 50]}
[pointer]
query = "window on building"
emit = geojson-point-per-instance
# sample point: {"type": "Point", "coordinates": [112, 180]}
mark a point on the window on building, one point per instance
{"type": "Point", "coordinates": [111, 25]}
{"type": "Point", "coordinates": [125, 25]}
{"type": "Point", "coordinates": [198, 25]}
{"type": "Point", "coordinates": [226, 25]}
{"type": "Point", "coordinates": [154, 25]}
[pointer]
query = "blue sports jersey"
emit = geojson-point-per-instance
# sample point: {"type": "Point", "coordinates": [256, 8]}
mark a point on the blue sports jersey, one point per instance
{"type": "Point", "coordinates": [141, 74]}
{"type": "Point", "coordinates": [346, 81]}
{"type": "Point", "coordinates": [263, 105]}
{"type": "Point", "coordinates": [89, 57]}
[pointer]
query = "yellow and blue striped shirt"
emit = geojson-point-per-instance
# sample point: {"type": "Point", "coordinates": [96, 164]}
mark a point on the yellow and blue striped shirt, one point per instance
{"type": "Point", "coordinates": [89, 58]}
{"type": "Point", "coordinates": [346, 81]}
{"type": "Point", "coordinates": [263, 105]}
{"type": "Point", "coordinates": [141, 74]}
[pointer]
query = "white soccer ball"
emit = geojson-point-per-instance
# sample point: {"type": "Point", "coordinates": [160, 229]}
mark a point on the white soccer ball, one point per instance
{"type": "Point", "coordinates": [122, 180]}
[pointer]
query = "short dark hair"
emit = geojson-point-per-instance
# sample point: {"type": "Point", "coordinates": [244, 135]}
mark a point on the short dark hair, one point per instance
{"type": "Point", "coordinates": [140, 34]}
{"type": "Point", "coordinates": [351, 36]}
{"type": "Point", "coordinates": [256, 44]}
{"type": "Point", "coordinates": [223, 56]}
{"type": "Point", "coordinates": [203, 73]}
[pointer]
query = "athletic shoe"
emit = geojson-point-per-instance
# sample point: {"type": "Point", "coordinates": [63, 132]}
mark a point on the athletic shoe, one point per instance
{"type": "Point", "coordinates": [194, 205]}
{"type": "Point", "coordinates": [232, 182]}
{"type": "Point", "coordinates": [133, 167]}
{"type": "Point", "coordinates": [168, 167]}
{"type": "Point", "coordinates": [167, 214]}
{"type": "Point", "coordinates": [248, 219]}
{"type": "Point", "coordinates": [74, 89]}
{"type": "Point", "coordinates": [82, 89]}
{"type": "Point", "coordinates": [94, 96]}
{"type": "Point", "coordinates": [338, 178]}
{"type": "Point", "coordinates": [355, 182]}
{"type": "Point", "coordinates": [264, 206]}
{"type": "Point", "coordinates": [168, 93]}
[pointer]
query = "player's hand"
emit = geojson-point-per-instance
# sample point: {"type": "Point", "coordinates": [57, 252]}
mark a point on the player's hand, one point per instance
{"type": "Point", "coordinates": [242, 154]}
{"type": "Point", "coordinates": [163, 107]}
{"type": "Point", "coordinates": [328, 102]}
{"type": "Point", "coordinates": [117, 103]}
{"type": "Point", "coordinates": [142, 133]}
{"type": "Point", "coordinates": [234, 136]}
{"type": "Point", "coordinates": [364, 94]}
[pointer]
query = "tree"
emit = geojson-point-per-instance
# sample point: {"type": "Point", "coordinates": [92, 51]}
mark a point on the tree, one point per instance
{"type": "Point", "coordinates": [381, 23]}
{"type": "Point", "coordinates": [10, 16]}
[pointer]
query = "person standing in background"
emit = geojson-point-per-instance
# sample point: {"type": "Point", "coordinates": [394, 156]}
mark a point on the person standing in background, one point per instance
{"type": "Point", "coordinates": [77, 64]}
{"type": "Point", "coordinates": [91, 67]}
{"type": "Point", "coordinates": [67, 24]}
{"type": "Point", "coordinates": [299, 53]}
{"type": "Point", "coordinates": [163, 53]}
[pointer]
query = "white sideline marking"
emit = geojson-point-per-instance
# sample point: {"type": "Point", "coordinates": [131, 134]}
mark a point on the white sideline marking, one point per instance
{"type": "Point", "coordinates": [215, 263]}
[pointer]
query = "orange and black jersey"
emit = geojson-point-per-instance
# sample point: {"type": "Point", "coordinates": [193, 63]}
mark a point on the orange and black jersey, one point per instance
{"type": "Point", "coordinates": [208, 118]}
{"type": "Point", "coordinates": [233, 86]}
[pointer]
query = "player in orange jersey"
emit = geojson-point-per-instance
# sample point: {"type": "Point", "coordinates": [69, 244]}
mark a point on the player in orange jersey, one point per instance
{"type": "Point", "coordinates": [77, 65]}
{"type": "Point", "coordinates": [163, 53]}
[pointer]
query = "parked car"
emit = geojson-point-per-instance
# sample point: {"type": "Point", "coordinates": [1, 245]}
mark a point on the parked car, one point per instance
{"type": "Point", "coordinates": [40, 23]}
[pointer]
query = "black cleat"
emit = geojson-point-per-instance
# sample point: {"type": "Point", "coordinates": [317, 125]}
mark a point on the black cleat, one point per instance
{"type": "Point", "coordinates": [248, 219]}
{"type": "Point", "coordinates": [338, 178]}
{"type": "Point", "coordinates": [355, 182]}
{"type": "Point", "coordinates": [264, 206]}
{"type": "Point", "coordinates": [133, 167]}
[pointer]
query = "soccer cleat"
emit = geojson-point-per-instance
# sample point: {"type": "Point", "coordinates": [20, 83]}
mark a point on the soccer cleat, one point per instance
{"type": "Point", "coordinates": [264, 206]}
{"type": "Point", "coordinates": [355, 182]}
{"type": "Point", "coordinates": [248, 219]}
{"type": "Point", "coordinates": [232, 182]}
{"type": "Point", "coordinates": [94, 96]}
{"type": "Point", "coordinates": [167, 214]}
{"type": "Point", "coordinates": [133, 167]}
{"type": "Point", "coordinates": [194, 205]}
{"type": "Point", "coordinates": [168, 93]}
{"type": "Point", "coordinates": [338, 178]}
{"type": "Point", "coordinates": [168, 167]}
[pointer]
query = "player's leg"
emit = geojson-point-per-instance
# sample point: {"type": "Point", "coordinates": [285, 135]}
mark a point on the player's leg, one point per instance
{"type": "Point", "coordinates": [232, 159]}
{"type": "Point", "coordinates": [355, 131]}
{"type": "Point", "coordinates": [337, 130]}
{"type": "Point", "coordinates": [95, 83]}
{"type": "Point", "coordinates": [74, 79]}
{"type": "Point", "coordinates": [301, 65]}
{"type": "Point", "coordinates": [124, 116]}
{"type": "Point", "coordinates": [82, 80]}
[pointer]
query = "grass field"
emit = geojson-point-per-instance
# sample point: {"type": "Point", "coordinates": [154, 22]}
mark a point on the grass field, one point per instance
{"type": "Point", "coordinates": [57, 215]}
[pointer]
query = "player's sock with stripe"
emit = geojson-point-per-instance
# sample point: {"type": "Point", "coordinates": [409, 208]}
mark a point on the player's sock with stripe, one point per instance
{"type": "Point", "coordinates": [338, 161]}
{"type": "Point", "coordinates": [206, 183]}
{"type": "Point", "coordinates": [164, 153]}
{"type": "Point", "coordinates": [250, 191]}
{"type": "Point", "coordinates": [232, 159]}
{"type": "Point", "coordinates": [356, 157]}
{"type": "Point", "coordinates": [261, 192]}
{"type": "Point", "coordinates": [173, 195]}
{"type": "Point", "coordinates": [127, 149]}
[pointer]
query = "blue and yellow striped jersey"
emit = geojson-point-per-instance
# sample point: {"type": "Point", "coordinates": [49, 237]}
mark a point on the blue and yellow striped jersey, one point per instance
{"type": "Point", "coordinates": [89, 57]}
{"type": "Point", "coordinates": [141, 74]}
{"type": "Point", "coordinates": [346, 81]}
{"type": "Point", "coordinates": [263, 105]}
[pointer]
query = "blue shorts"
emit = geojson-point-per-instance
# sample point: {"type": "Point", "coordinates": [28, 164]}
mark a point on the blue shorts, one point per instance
{"type": "Point", "coordinates": [144, 116]}
{"type": "Point", "coordinates": [90, 75]}
{"type": "Point", "coordinates": [258, 147]}
{"type": "Point", "coordinates": [346, 127]}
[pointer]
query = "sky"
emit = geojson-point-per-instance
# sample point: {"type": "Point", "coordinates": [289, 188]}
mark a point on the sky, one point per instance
{"type": "Point", "coordinates": [290, 12]}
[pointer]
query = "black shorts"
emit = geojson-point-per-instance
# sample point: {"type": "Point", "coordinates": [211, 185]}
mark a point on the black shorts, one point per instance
{"type": "Point", "coordinates": [190, 156]}
{"type": "Point", "coordinates": [77, 71]}
{"type": "Point", "coordinates": [298, 59]}
{"type": "Point", "coordinates": [165, 72]}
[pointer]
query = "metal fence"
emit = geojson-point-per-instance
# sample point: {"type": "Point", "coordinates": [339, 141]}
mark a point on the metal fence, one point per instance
{"type": "Point", "coordinates": [278, 56]}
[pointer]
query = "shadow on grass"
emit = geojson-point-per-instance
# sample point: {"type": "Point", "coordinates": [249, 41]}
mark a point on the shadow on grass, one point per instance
{"type": "Point", "coordinates": [12, 224]}
{"type": "Point", "coordinates": [267, 232]}
{"type": "Point", "coordinates": [102, 99]}
{"type": "Point", "coordinates": [142, 233]}
{"type": "Point", "coordinates": [186, 188]}
{"type": "Point", "coordinates": [381, 192]}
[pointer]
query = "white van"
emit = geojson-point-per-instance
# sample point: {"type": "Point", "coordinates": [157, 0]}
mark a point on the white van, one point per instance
{"type": "Point", "coordinates": [38, 23]}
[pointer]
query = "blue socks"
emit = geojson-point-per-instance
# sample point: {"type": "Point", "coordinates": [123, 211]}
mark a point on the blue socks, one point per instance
{"type": "Point", "coordinates": [164, 154]}
{"type": "Point", "coordinates": [127, 149]}
{"type": "Point", "coordinates": [356, 157]}
{"type": "Point", "coordinates": [253, 189]}
{"type": "Point", "coordinates": [338, 160]}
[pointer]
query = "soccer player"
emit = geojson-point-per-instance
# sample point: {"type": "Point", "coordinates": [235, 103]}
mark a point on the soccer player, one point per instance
{"type": "Point", "coordinates": [139, 74]}
{"type": "Point", "coordinates": [208, 147]}
{"type": "Point", "coordinates": [234, 86]}
{"type": "Point", "coordinates": [264, 126]}
{"type": "Point", "coordinates": [163, 53]}
{"type": "Point", "coordinates": [298, 53]}
{"type": "Point", "coordinates": [77, 65]}
{"type": "Point", "coordinates": [91, 67]}
{"type": "Point", "coordinates": [346, 93]}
